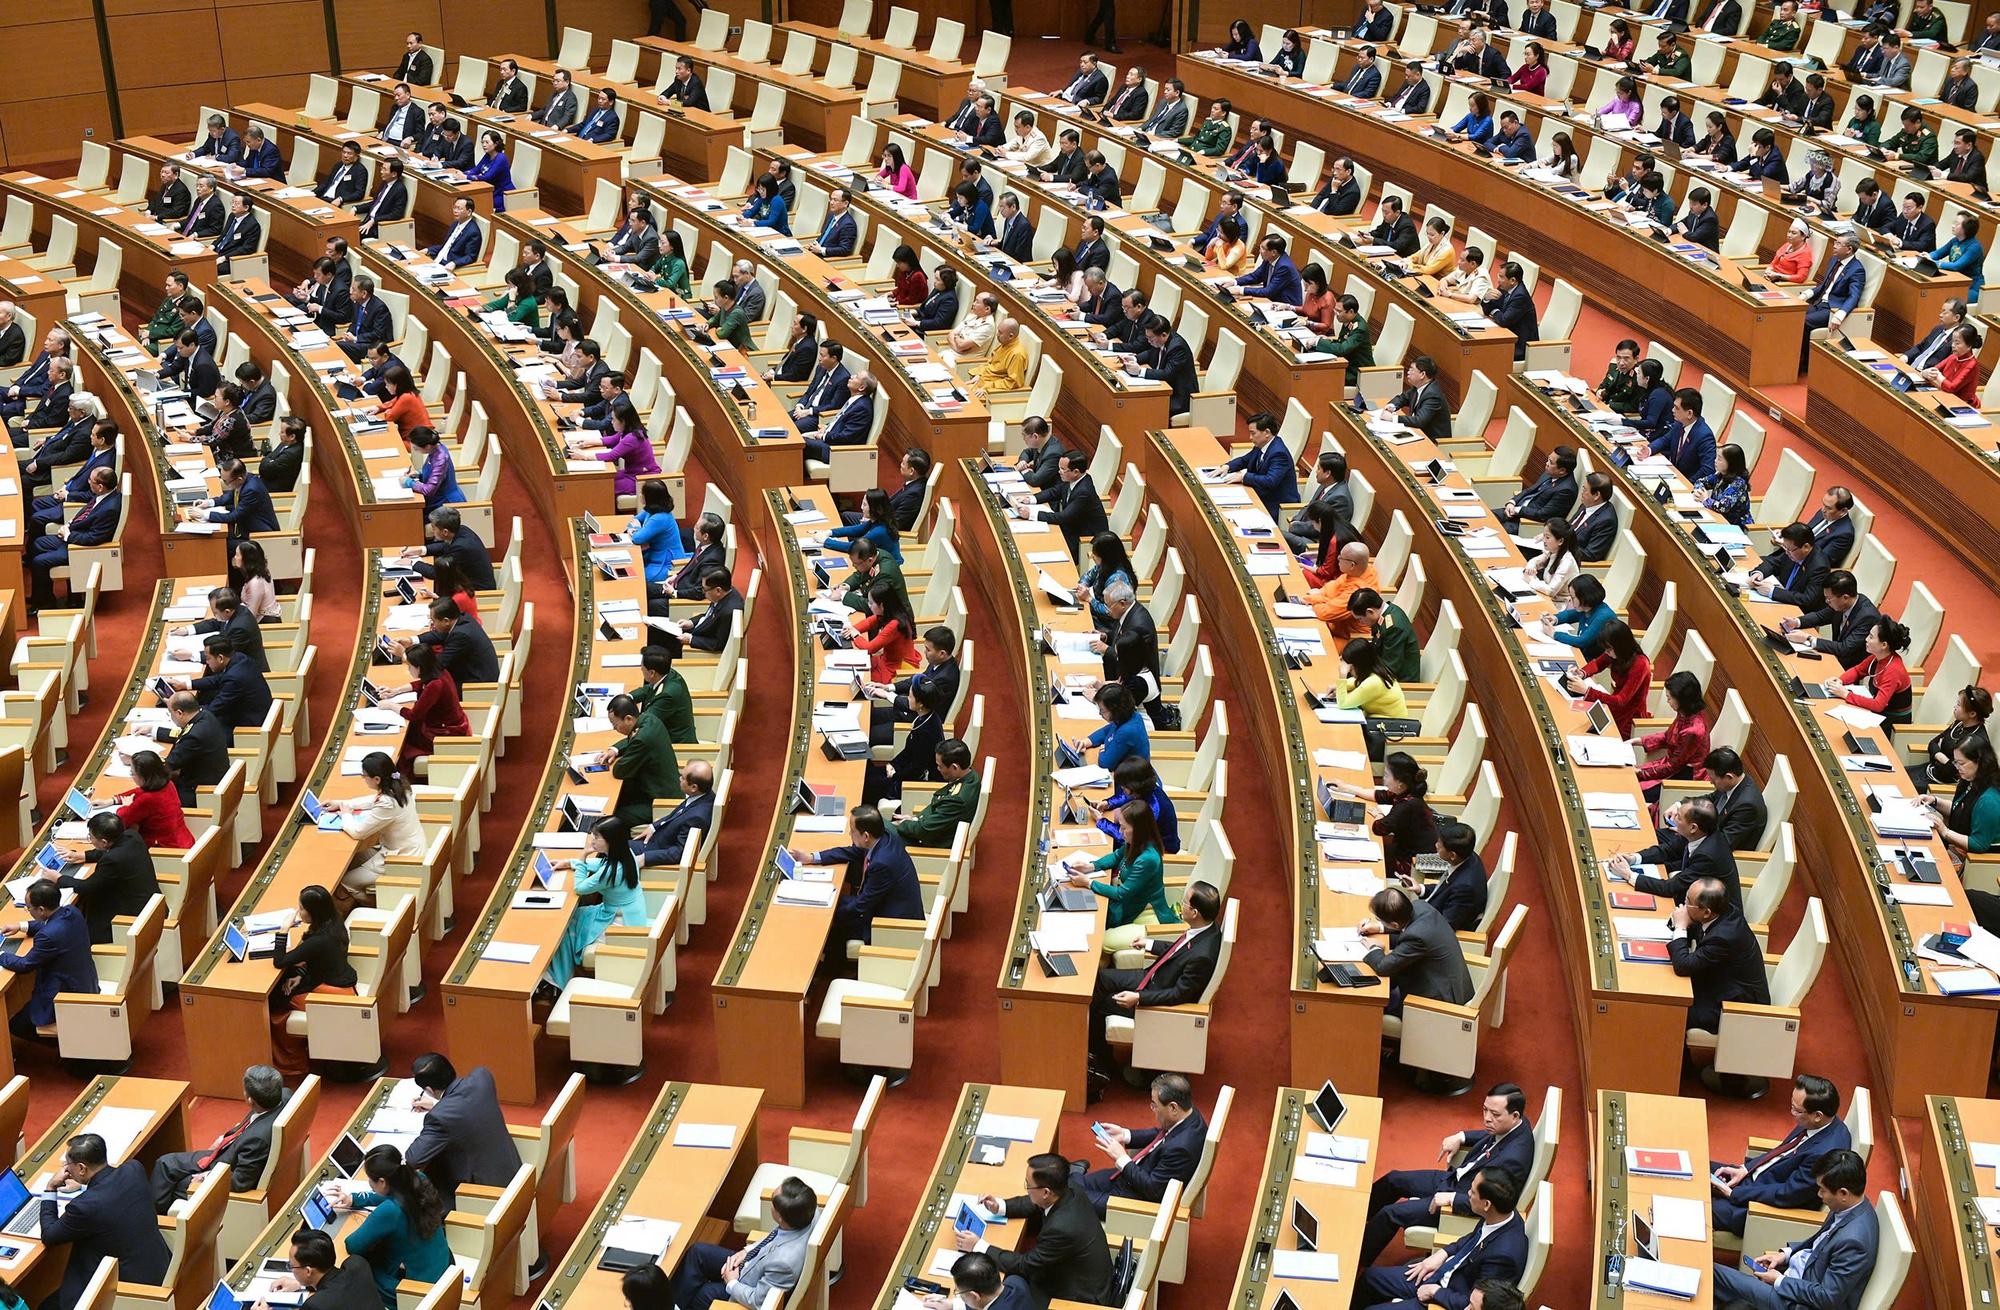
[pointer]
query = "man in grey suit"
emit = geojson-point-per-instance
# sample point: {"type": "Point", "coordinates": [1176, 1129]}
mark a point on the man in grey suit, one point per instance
{"type": "Point", "coordinates": [465, 1138]}
{"type": "Point", "coordinates": [710, 1274]}
{"type": "Point", "coordinates": [1329, 488]}
{"type": "Point", "coordinates": [244, 1148]}
{"type": "Point", "coordinates": [560, 111]}
{"type": "Point", "coordinates": [1423, 958]}
{"type": "Point", "coordinates": [1170, 116]}
{"type": "Point", "coordinates": [1827, 1271]}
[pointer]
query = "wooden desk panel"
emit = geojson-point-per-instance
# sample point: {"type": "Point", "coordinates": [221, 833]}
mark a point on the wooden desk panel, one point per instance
{"type": "Point", "coordinates": [1956, 1241]}
{"type": "Point", "coordinates": [1342, 1211]}
{"type": "Point", "coordinates": [1648, 1122]}
{"type": "Point", "coordinates": [815, 113]}
{"type": "Point", "coordinates": [694, 142]}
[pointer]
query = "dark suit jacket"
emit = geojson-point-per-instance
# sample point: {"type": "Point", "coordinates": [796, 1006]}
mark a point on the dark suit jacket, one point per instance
{"type": "Point", "coordinates": [353, 185]}
{"type": "Point", "coordinates": [96, 522]}
{"type": "Point", "coordinates": [279, 470]}
{"type": "Point", "coordinates": [466, 550]}
{"type": "Point", "coordinates": [13, 346]}
{"type": "Point", "coordinates": [1846, 634]}
{"type": "Point", "coordinates": [1340, 202]}
{"type": "Point", "coordinates": [466, 652]}
{"type": "Point", "coordinates": [1017, 238]}
{"type": "Point", "coordinates": [692, 93]}
{"type": "Point", "coordinates": [560, 111]}
{"type": "Point", "coordinates": [667, 841]}
{"type": "Point", "coordinates": [1500, 1256]}
{"type": "Point", "coordinates": [238, 696]}
{"type": "Point", "coordinates": [1174, 365]}
{"type": "Point", "coordinates": [415, 68]}
{"type": "Point", "coordinates": [1708, 858]}
{"type": "Point", "coordinates": [1086, 88]}
{"type": "Point", "coordinates": [1548, 497]}
{"type": "Point", "coordinates": [1722, 962]}
{"type": "Point", "coordinates": [1075, 508]}
{"type": "Point", "coordinates": [1802, 584]}
{"type": "Point", "coordinates": [373, 323]}
{"type": "Point", "coordinates": [112, 1217]}
{"type": "Point", "coordinates": [245, 635]}
{"type": "Point", "coordinates": [1514, 309]}
{"type": "Point", "coordinates": [465, 1138]}
{"type": "Point", "coordinates": [1460, 896]}
{"type": "Point", "coordinates": [463, 249]}
{"type": "Point", "coordinates": [209, 217]}
{"type": "Point", "coordinates": [1595, 535]}
{"type": "Point", "coordinates": [407, 123]}
{"type": "Point", "coordinates": [200, 755]}
{"type": "Point", "coordinates": [172, 202]}
{"type": "Point", "coordinates": [391, 202]}
{"type": "Point", "coordinates": [850, 426]}
{"type": "Point", "coordinates": [711, 630]}
{"type": "Point", "coordinates": [246, 511]}
{"type": "Point", "coordinates": [511, 96]}
{"type": "Point", "coordinates": [1726, 17]}
{"type": "Point", "coordinates": [1400, 236]}
{"type": "Point", "coordinates": [1835, 537]}
{"type": "Point", "coordinates": [1428, 412]}
{"type": "Point", "coordinates": [1787, 1181]}
{"type": "Point", "coordinates": [120, 880]}
{"type": "Point", "coordinates": [1173, 1160]}
{"type": "Point", "coordinates": [351, 1286]}
{"type": "Point", "coordinates": [1704, 229]}
{"type": "Point", "coordinates": [1068, 1259]}
{"type": "Point", "coordinates": [1425, 959]}
{"type": "Point", "coordinates": [1515, 1152]}
{"type": "Point", "coordinates": [1415, 99]}
{"type": "Point", "coordinates": [239, 236]}
{"type": "Point", "coordinates": [264, 162]}
{"type": "Point", "coordinates": [687, 582]}
{"type": "Point", "coordinates": [1919, 233]}
{"type": "Point", "coordinates": [1841, 1263]}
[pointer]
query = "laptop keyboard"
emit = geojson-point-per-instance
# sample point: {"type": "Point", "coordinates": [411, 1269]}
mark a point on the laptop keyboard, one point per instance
{"type": "Point", "coordinates": [28, 1223]}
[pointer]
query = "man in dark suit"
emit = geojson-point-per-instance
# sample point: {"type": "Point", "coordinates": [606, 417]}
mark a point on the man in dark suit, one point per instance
{"type": "Point", "coordinates": [279, 469]}
{"type": "Point", "coordinates": [170, 204]}
{"type": "Point", "coordinates": [1040, 464]}
{"type": "Point", "coordinates": [463, 646]}
{"type": "Point", "coordinates": [1782, 1175]}
{"type": "Point", "coordinates": [232, 689]}
{"type": "Point", "coordinates": [1145, 1160]}
{"type": "Point", "coordinates": [1340, 194]}
{"type": "Point", "coordinates": [244, 504]}
{"type": "Point", "coordinates": [1741, 814]}
{"type": "Point", "coordinates": [1847, 615]}
{"type": "Point", "coordinates": [260, 157]}
{"type": "Point", "coordinates": [1912, 227]}
{"type": "Point", "coordinates": [118, 877]}
{"type": "Point", "coordinates": [977, 1283]}
{"type": "Point", "coordinates": [92, 525]}
{"type": "Point", "coordinates": [241, 233]}
{"type": "Point", "coordinates": [879, 867]}
{"type": "Point", "coordinates": [638, 241]}
{"type": "Point", "coordinates": [1700, 224]}
{"type": "Point", "coordinates": [1178, 974]}
{"type": "Point", "coordinates": [462, 240]}
{"type": "Point", "coordinates": [1423, 958]}
{"type": "Point", "coordinates": [1066, 169]}
{"type": "Point", "coordinates": [13, 341]}
{"type": "Point", "coordinates": [415, 65]}
{"type": "Point", "coordinates": [1674, 124]}
{"type": "Point", "coordinates": [1129, 104]}
{"type": "Point", "coordinates": [1714, 949]}
{"type": "Point", "coordinates": [1129, 644]}
{"type": "Point", "coordinates": [1688, 441]}
{"type": "Point", "coordinates": [1413, 1198]}
{"type": "Point", "coordinates": [1170, 115]}
{"type": "Point", "coordinates": [1274, 274]}
{"type": "Point", "coordinates": [1511, 306]}
{"type": "Point", "coordinates": [94, 441]}
{"type": "Point", "coordinates": [54, 408]}
{"type": "Point", "coordinates": [1832, 1267]}
{"type": "Point", "coordinates": [406, 124]}
{"type": "Point", "coordinates": [1550, 496]}
{"type": "Point", "coordinates": [709, 553]}
{"type": "Point", "coordinates": [1459, 895]}
{"type": "Point", "coordinates": [207, 215]}
{"type": "Point", "coordinates": [1089, 86]}
{"type": "Point", "coordinates": [686, 89]}
{"type": "Point", "coordinates": [465, 1137]}
{"type": "Point", "coordinates": [838, 236]}
{"type": "Point", "coordinates": [1495, 1250]}
{"type": "Point", "coordinates": [392, 200]}
{"type": "Point", "coordinates": [1838, 292]}
{"type": "Point", "coordinates": [1414, 95]}
{"type": "Point", "coordinates": [1421, 404]}
{"type": "Point", "coordinates": [244, 1147]}
{"type": "Point", "coordinates": [52, 945]}
{"type": "Point", "coordinates": [326, 295]}
{"type": "Point", "coordinates": [1069, 1259]}
{"type": "Point", "coordinates": [34, 381]}
{"type": "Point", "coordinates": [1724, 16]}
{"type": "Point", "coordinates": [330, 1283]}
{"type": "Point", "coordinates": [1393, 228]}
{"type": "Point", "coordinates": [347, 181]}
{"type": "Point", "coordinates": [1168, 358]}
{"type": "Point", "coordinates": [1595, 519]}
{"type": "Point", "coordinates": [709, 630]}
{"type": "Point", "coordinates": [905, 501]}
{"type": "Point", "coordinates": [1375, 23]}
{"type": "Point", "coordinates": [1267, 468]}
{"type": "Point", "coordinates": [510, 94]}
{"type": "Point", "coordinates": [1832, 526]}
{"type": "Point", "coordinates": [601, 124]}
{"type": "Point", "coordinates": [199, 753]}
{"type": "Point", "coordinates": [826, 388]}
{"type": "Point", "coordinates": [1936, 344]}
{"type": "Point", "coordinates": [666, 841]}
{"type": "Point", "coordinates": [219, 142]}
{"type": "Point", "coordinates": [1703, 853]}
{"type": "Point", "coordinates": [112, 1217]}
{"type": "Point", "coordinates": [1366, 79]}
{"type": "Point", "coordinates": [1795, 573]}
{"type": "Point", "coordinates": [852, 422]}
{"type": "Point", "coordinates": [561, 109]}
{"type": "Point", "coordinates": [260, 398]}
{"type": "Point", "coordinates": [1016, 235]}
{"type": "Point", "coordinates": [373, 323]}
{"type": "Point", "coordinates": [230, 617]}
{"type": "Point", "coordinates": [1073, 503]}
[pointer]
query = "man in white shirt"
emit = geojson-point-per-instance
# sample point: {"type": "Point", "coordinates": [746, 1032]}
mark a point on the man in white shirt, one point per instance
{"type": "Point", "coordinates": [406, 118]}
{"type": "Point", "coordinates": [1026, 143]}
{"type": "Point", "coordinates": [973, 336]}
{"type": "Point", "coordinates": [1468, 281]}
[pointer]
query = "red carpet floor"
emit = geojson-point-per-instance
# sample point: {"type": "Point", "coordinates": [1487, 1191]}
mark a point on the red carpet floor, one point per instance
{"type": "Point", "coordinates": [957, 1040]}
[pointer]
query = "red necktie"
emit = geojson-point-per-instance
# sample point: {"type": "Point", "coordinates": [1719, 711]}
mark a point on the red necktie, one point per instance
{"type": "Point", "coordinates": [1146, 979]}
{"type": "Point", "coordinates": [1149, 1147]}
{"type": "Point", "coordinates": [222, 1143]}
{"type": "Point", "coordinates": [1777, 1153]}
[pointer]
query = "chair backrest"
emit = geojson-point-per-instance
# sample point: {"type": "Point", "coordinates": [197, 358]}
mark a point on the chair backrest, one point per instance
{"type": "Point", "coordinates": [1860, 1120]}
{"type": "Point", "coordinates": [1762, 897]}
{"type": "Point", "coordinates": [1194, 1199]}
{"type": "Point", "coordinates": [1800, 963]}
{"type": "Point", "coordinates": [1230, 912]}
{"type": "Point", "coordinates": [1893, 1253]}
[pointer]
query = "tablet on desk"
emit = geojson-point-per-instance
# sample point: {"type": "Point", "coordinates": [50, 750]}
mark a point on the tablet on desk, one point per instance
{"type": "Point", "coordinates": [1306, 1225]}
{"type": "Point", "coordinates": [1328, 1108]}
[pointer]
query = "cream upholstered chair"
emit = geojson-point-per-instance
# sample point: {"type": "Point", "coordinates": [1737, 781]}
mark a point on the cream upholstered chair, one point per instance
{"type": "Point", "coordinates": [1772, 1226]}
{"type": "Point", "coordinates": [821, 1158]}
{"type": "Point", "coordinates": [1893, 1253]}
{"type": "Point", "coordinates": [349, 1029]}
{"type": "Point", "coordinates": [1761, 1041]}
{"type": "Point", "coordinates": [873, 1016]}
{"type": "Point", "coordinates": [291, 1144]}
{"type": "Point", "coordinates": [550, 1147]}
{"type": "Point", "coordinates": [13, 1119]}
{"type": "Point", "coordinates": [191, 1229]}
{"type": "Point", "coordinates": [102, 1026]}
{"type": "Point", "coordinates": [1175, 1037]}
{"type": "Point", "coordinates": [1127, 1217]}
{"type": "Point", "coordinates": [485, 1232]}
{"type": "Point", "coordinates": [602, 1014]}
{"type": "Point", "coordinates": [1541, 1223]}
{"type": "Point", "coordinates": [1443, 1038]}
{"type": "Point", "coordinates": [1150, 1249]}
{"type": "Point", "coordinates": [444, 1294]}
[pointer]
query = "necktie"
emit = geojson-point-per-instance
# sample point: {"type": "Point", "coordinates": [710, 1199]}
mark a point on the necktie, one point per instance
{"type": "Point", "coordinates": [194, 216]}
{"type": "Point", "coordinates": [222, 1143]}
{"type": "Point", "coordinates": [1458, 1257]}
{"type": "Point", "coordinates": [1146, 979]}
{"type": "Point", "coordinates": [1771, 1157]}
{"type": "Point", "coordinates": [827, 235]}
{"type": "Point", "coordinates": [1144, 1151]}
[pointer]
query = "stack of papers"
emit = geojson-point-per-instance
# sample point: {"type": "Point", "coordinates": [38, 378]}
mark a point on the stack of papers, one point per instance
{"type": "Point", "coordinates": [713, 1136]}
{"type": "Point", "coordinates": [1317, 1266]}
{"type": "Point", "coordinates": [1013, 1127]}
{"type": "Point", "coordinates": [1656, 1276]}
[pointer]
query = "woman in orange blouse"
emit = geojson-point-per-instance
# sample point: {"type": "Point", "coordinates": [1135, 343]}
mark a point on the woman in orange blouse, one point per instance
{"type": "Point", "coordinates": [1794, 260]}
{"type": "Point", "coordinates": [888, 632]}
{"type": "Point", "coordinates": [1318, 305]}
{"type": "Point", "coordinates": [1958, 372]}
{"type": "Point", "coordinates": [1227, 249]}
{"type": "Point", "coordinates": [401, 404]}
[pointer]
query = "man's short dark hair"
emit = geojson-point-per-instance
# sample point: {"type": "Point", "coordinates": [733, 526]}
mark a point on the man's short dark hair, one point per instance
{"type": "Point", "coordinates": [976, 1272]}
{"type": "Point", "coordinates": [1822, 1097]}
{"type": "Point", "coordinates": [1499, 1188]}
{"type": "Point", "coordinates": [1392, 907]}
{"type": "Point", "coordinates": [794, 1203]}
{"type": "Point", "coordinates": [1049, 1170]}
{"type": "Point", "coordinates": [432, 1072]}
{"type": "Point", "coordinates": [1842, 1171]}
{"type": "Point", "coordinates": [955, 753]}
{"type": "Point", "coordinates": [313, 1249]}
{"type": "Point", "coordinates": [84, 1148]}
{"type": "Point", "coordinates": [1722, 760]}
{"type": "Point", "coordinates": [1174, 1089]}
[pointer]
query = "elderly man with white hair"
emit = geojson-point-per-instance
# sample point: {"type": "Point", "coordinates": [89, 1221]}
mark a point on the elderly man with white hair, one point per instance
{"type": "Point", "coordinates": [961, 117]}
{"type": "Point", "coordinates": [34, 381]}
{"type": "Point", "coordinates": [749, 295]}
{"type": "Point", "coordinates": [53, 411]}
{"type": "Point", "coordinates": [67, 444]}
{"type": "Point", "coordinates": [13, 341]}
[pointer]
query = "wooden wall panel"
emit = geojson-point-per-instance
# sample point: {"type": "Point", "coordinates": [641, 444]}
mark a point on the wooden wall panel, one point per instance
{"type": "Point", "coordinates": [157, 50]}
{"type": "Point", "coordinates": [164, 111]}
{"type": "Point", "coordinates": [289, 90]}
{"type": "Point", "coordinates": [49, 11]}
{"type": "Point", "coordinates": [479, 27]}
{"type": "Point", "coordinates": [267, 40]}
{"type": "Point", "coordinates": [52, 129]}
{"type": "Point", "coordinates": [371, 31]}
{"type": "Point", "coordinates": [51, 60]}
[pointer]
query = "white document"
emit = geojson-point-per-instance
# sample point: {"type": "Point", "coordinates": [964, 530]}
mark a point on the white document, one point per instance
{"type": "Point", "coordinates": [1332, 759]}
{"type": "Point", "coordinates": [1316, 1266]}
{"type": "Point", "coordinates": [1683, 1218]}
{"type": "Point", "coordinates": [120, 1127]}
{"type": "Point", "coordinates": [1013, 1127]}
{"type": "Point", "coordinates": [509, 952]}
{"type": "Point", "coordinates": [1919, 893]}
{"type": "Point", "coordinates": [795, 891]}
{"type": "Point", "coordinates": [1083, 775]}
{"type": "Point", "coordinates": [1352, 850]}
{"type": "Point", "coordinates": [713, 1136]}
{"type": "Point", "coordinates": [1331, 1173]}
{"type": "Point", "coordinates": [1601, 752]}
{"type": "Point", "coordinates": [635, 1233]}
{"type": "Point", "coordinates": [1635, 929]}
{"type": "Point", "coordinates": [1061, 933]}
{"type": "Point", "coordinates": [1658, 1276]}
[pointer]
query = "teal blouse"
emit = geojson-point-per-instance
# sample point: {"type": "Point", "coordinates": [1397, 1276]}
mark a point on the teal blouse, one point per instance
{"type": "Point", "coordinates": [1141, 883]}
{"type": "Point", "coordinates": [392, 1250]}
